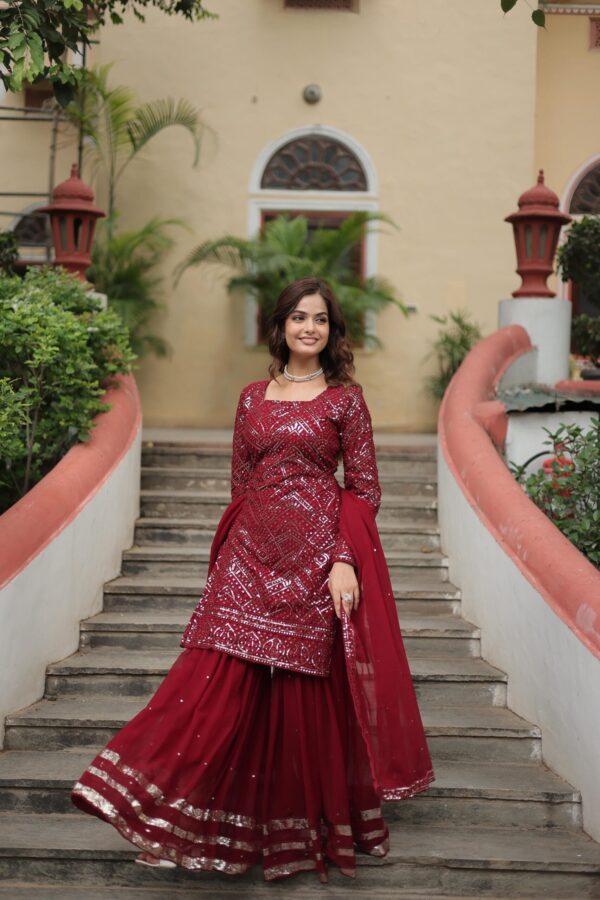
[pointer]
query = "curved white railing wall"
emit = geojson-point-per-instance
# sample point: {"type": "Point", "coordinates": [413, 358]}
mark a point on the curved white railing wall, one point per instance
{"type": "Point", "coordinates": [61, 542]}
{"type": "Point", "coordinates": [535, 597]}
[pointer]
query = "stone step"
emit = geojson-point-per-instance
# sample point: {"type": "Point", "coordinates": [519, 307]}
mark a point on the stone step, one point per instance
{"type": "Point", "coordinates": [201, 888]}
{"type": "Point", "coordinates": [406, 535]}
{"type": "Point", "coordinates": [158, 561]}
{"type": "Point", "coordinates": [466, 732]}
{"type": "Point", "coordinates": [422, 459]}
{"type": "Point", "coordinates": [182, 594]}
{"type": "Point", "coordinates": [456, 681]}
{"type": "Point", "coordinates": [211, 479]}
{"type": "Point", "coordinates": [423, 635]}
{"type": "Point", "coordinates": [194, 504]}
{"type": "Point", "coordinates": [46, 891]}
{"type": "Point", "coordinates": [476, 862]}
{"type": "Point", "coordinates": [37, 781]}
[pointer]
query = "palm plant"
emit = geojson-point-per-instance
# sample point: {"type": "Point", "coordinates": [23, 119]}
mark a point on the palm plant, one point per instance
{"type": "Point", "coordinates": [286, 250]}
{"type": "Point", "coordinates": [115, 128]}
{"type": "Point", "coordinates": [450, 348]}
{"type": "Point", "coordinates": [124, 268]}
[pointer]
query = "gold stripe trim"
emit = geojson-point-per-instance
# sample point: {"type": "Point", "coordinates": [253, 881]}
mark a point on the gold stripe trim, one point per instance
{"type": "Point", "coordinates": [181, 805]}
{"type": "Point", "coordinates": [165, 825]}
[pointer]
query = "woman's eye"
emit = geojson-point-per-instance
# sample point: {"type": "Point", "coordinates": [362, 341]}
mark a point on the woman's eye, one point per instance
{"type": "Point", "coordinates": [301, 319]}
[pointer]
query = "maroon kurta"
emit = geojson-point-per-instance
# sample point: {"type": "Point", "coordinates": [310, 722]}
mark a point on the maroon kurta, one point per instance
{"type": "Point", "coordinates": [266, 598]}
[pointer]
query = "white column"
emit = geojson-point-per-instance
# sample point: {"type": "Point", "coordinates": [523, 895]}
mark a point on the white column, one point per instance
{"type": "Point", "coordinates": [547, 320]}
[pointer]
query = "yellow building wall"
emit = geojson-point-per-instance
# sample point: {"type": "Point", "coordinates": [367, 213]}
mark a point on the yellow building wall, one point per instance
{"type": "Point", "coordinates": [442, 98]}
{"type": "Point", "coordinates": [567, 125]}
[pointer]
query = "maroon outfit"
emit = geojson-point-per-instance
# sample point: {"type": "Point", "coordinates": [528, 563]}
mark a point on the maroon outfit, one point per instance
{"type": "Point", "coordinates": [267, 597]}
{"type": "Point", "coordinates": [277, 732]}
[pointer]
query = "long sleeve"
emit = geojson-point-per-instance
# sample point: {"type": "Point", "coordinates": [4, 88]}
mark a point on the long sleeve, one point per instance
{"type": "Point", "coordinates": [360, 464]}
{"type": "Point", "coordinates": [241, 457]}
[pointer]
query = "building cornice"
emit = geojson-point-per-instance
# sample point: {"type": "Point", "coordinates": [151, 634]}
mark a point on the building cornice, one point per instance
{"type": "Point", "coordinates": [571, 9]}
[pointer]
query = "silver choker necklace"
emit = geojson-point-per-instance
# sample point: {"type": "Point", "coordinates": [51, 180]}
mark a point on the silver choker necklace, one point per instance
{"type": "Point", "coordinates": [302, 377]}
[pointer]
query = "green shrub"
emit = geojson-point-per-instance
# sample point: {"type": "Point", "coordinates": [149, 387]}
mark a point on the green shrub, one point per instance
{"type": "Point", "coordinates": [58, 353]}
{"type": "Point", "coordinates": [570, 494]}
{"type": "Point", "coordinates": [124, 268]}
{"type": "Point", "coordinates": [453, 343]}
{"type": "Point", "coordinates": [579, 257]}
{"type": "Point", "coordinates": [9, 252]}
{"type": "Point", "coordinates": [586, 337]}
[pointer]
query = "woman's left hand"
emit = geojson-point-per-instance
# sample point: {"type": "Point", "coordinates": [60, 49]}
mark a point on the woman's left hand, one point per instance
{"type": "Point", "coordinates": [342, 582]}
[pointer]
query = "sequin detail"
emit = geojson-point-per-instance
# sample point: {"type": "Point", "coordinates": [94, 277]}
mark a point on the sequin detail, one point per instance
{"type": "Point", "coordinates": [267, 597]}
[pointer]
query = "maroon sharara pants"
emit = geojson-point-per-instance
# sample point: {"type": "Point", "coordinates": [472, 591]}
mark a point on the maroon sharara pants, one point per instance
{"type": "Point", "coordinates": [232, 764]}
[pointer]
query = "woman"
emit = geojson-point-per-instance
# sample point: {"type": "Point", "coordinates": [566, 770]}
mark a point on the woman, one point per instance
{"type": "Point", "coordinates": [290, 713]}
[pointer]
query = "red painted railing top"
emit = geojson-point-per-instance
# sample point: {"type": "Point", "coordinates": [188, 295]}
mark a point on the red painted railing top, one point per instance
{"type": "Point", "coordinates": [471, 428]}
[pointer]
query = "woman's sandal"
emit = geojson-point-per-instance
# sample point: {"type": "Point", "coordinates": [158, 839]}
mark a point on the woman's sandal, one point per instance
{"type": "Point", "coordinates": [144, 860]}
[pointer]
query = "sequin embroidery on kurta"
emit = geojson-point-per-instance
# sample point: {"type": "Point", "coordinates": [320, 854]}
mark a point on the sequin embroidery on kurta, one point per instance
{"type": "Point", "coordinates": [266, 598]}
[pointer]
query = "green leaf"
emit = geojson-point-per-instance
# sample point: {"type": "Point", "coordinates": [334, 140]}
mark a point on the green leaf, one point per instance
{"type": "Point", "coordinates": [63, 93]}
{"type": "Point", "coordinates": [507, 5]}
{"type": "Point", "coordinates": [15, 40]}
{"type": "Point", "coordinates": [37, 52]}
{"type": "Point", "coordinates": [539, 17]}
{"type": "Point", "coordinates": [16, 80]}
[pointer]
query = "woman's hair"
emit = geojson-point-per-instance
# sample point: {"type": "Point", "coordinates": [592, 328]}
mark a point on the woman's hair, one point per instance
{"type": "Point", "coordinates": [336, 358]}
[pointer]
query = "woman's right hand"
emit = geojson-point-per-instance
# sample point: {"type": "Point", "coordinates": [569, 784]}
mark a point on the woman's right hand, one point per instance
{"type": "Point", "coordinates": [342, 582]}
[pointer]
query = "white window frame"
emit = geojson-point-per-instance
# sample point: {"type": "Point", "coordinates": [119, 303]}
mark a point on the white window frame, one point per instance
{"type": "Point", "coordinates": [261, 199]}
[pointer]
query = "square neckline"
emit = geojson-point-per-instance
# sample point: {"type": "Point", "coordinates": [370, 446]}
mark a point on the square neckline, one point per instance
{"type": "Point", "coordinates": [267, 382]}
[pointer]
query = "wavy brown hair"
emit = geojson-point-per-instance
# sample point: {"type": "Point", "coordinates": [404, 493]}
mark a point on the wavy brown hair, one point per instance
{"type": "Point", "coordinates": [336, 358]}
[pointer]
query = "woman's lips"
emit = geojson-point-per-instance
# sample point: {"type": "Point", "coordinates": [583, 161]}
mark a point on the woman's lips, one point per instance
{"type": "Point", "coordinates": [309, 340]}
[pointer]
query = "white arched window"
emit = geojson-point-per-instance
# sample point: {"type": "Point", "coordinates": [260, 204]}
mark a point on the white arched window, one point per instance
{"type": "Point", "coordinates": [323, 174]}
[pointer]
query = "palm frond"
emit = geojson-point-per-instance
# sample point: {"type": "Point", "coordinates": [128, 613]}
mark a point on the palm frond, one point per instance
{"type": "Point", "coordinates": [285, 250]}
{"type": "Point", "coordinates": [334, 246]}
{"type": "Point", "coordinates": [227, 251]}
{"type": "Point", "coordinates": [152, 118]}
{"type": "Point", "coordinates": [286, 235]}
{"type": "Point", "coordinates": [151, 238]}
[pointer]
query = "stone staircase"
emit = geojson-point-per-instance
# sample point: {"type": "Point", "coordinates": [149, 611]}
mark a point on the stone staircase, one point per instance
{"type": "Point", "coordinates": [496, 823]}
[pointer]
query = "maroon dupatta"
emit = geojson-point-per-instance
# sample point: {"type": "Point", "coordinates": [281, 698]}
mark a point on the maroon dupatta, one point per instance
{"type": "Point", "coordinates": [380, 680]}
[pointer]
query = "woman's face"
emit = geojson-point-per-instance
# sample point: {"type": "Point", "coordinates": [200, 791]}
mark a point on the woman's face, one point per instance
{"type": "Point", "coordinates": [307, 326]}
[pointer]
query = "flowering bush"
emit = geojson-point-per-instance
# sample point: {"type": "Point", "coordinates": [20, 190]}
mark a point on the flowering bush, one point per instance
{"type": "Point", "coordinates": [567, 487]}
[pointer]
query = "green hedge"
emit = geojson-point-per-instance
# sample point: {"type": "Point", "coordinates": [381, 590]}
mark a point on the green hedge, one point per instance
{"type": "Point", "coordinates": [59, 351]}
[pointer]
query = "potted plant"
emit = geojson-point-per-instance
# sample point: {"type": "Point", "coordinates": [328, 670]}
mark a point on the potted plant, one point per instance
{"type": "Point", "coordinates": [579, 261]}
